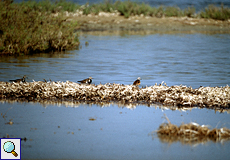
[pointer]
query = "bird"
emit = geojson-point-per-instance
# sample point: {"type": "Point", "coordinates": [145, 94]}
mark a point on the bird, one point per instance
{"type": "Point", "coordinates": [137, 82]}
{"type": "Point", "coordinates": [86, 81]}
{"type": "Point", "coordinates": [23, 79]}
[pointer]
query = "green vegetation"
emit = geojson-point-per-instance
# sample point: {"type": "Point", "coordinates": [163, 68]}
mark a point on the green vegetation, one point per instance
{"type": "Point", "coordinates": [129, 8]}
{"type": "Point", "coordinates": [218, 13]}
{"type": "Point", "coordinates": [30, 27]}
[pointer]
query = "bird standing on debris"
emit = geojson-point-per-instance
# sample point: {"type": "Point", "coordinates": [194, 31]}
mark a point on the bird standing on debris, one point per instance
{"type": "Point", "coordinates": [137, 82]}
{"type": "Point", "coordinates": [86, 81]}
{"type": "Point", "coordinates": [23, 79]}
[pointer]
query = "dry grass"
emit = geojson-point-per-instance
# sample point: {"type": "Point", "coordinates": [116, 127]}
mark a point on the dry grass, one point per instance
{"type": "Point", "coordinates": [181, 96]}
{"type": "Point", "coordinates": [191, 133]}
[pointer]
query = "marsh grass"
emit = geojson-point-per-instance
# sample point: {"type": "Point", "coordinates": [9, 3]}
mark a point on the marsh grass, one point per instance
{"type": "Point", "coordinates": [30, 27]}
{"type": "Point", "coordinates": [51, 6]}
{"type": "Point", "coordinates": [130, 8]}
{"type": "Point", "coordinates": [191, 133]}
{"type": "Point", "coordinates": [218, 13]}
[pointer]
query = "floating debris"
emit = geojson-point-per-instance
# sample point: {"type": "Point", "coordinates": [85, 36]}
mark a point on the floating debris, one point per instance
{"type": "Point", "coordinates": [24, 139]}
{"type": "Point", "coordinates": [33, 128]}
{"type": "Point", "coordinates": [4, 116]}
{"type": "Point", "coordinates": [191, 133]}
{"type": "Point", "coordinates": [10, 122]}
{"type": "Point", "coordinates": [180, 96]}
{"type": "Point", "coordinates": [7, 136]}
{"type": "Point", "coordinates": [92, 119]}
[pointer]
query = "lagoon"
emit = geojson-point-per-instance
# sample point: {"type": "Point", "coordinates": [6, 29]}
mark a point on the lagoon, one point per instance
{"type": "Point", "coordinates": [112, 131]}
{"type": "Point", "coordinates": [189, 59]}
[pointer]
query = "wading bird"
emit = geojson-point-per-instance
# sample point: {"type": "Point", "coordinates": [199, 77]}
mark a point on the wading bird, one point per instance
{"type": "Point", "coordinates": [23, 79]}
{"type": "Point", "coordinates": [137, 82]}
{"type": "Point", "coordinates": [86, 81]}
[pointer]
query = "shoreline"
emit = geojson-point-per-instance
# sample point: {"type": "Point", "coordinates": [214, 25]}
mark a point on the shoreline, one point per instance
{"type": "Point", "coordinates": [58, 24]}
{"type": "Point", "coordinates": [114, 24]}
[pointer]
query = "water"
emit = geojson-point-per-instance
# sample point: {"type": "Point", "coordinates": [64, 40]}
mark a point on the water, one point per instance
{"type": "Point", "coordinates": [189, 59]}
{"type": "Point", "coordinates": [117, 133]}
{"type": "Point", "coordinates": [67, 131]}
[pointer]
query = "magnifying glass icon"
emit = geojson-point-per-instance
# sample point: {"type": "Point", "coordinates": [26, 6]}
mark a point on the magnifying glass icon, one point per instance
{"type": "Point", "coordinates": [9, 147]}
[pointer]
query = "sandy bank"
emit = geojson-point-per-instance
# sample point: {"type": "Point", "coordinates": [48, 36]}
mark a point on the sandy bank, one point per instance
{"type": "Point", "coordinates": [148, 25]}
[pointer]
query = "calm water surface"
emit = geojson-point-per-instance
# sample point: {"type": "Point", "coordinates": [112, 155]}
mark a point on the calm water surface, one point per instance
{"type": "Point", "coordinates": [193, 60]}
{"type": "Point", "coordinates": [118, 132]}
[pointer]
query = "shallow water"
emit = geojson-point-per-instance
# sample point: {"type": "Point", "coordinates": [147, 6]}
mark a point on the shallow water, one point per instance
{"type": "Point", "coordinates": [189, 59]}
{"type": "Point", "coordinates": [117, 132]}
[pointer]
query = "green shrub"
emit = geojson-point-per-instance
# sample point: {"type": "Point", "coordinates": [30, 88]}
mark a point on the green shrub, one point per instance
{"type": "Point", "coordinates": [31, 26]}
{"type": "Point", "coordinates": [28, 27]}
{"type": "Point", "coordinates": [129, 8]}
{"type": "Point", "coordinates": [159, 12]}
{"type": "Point", "coordinates": [106, 6]}
{"type": "Point", "coordinates": [219, 13]}
{"type": "Point", "coordinates": [124, 8]}
{"type": "Point", "coordinates": [173, 12]}
{"type": "Point", "coordinates": [190, 11]}
{"type": "Point", "coordinates": [67, 6]}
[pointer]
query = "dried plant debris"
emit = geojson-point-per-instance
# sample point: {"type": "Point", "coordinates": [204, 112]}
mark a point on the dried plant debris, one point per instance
{"type": "Point", "coordinates": [178, 96]}
{"type": "Point", "coordinates": [191, 133]}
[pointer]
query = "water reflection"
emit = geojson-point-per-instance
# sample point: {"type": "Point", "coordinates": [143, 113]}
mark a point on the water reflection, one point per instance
{"type": "Point", "coordinates": [25, 58]}
{"type": "Point", "coordinates": [192, 141]}
{"type": "Point", "coordinates": [131, 106]}
{"type": "Point", "coordinates": [101, 131]}
{"type": "Point", "coordinates": [143, 32]}
{"type": "Point", "coordinates": [191, 133]}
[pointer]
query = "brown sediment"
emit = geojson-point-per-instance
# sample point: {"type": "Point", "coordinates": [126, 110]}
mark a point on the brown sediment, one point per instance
{"type": "Point", "coordinates": [179, 96]}
{"type": "Point", "coordinates": [191, 133]}
{"type": "Point", "coordinates": [112, 23]}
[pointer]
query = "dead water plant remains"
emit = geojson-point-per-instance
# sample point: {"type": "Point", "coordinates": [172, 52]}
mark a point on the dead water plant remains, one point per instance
{"type": "Point", "coordinates": [191, 133]}
{"type": "Point", "coordinates": [210, 97]}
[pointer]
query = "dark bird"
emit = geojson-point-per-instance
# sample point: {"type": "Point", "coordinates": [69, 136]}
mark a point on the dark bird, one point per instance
{"type": "Point", "coordinates": [137, 82]}
{"type": "Point", "coordinates": [86, 81]}
{"type": "Point", "coordinates": [23, 79]}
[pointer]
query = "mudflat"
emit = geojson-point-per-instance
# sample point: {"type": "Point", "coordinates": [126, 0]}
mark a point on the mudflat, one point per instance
{"type": "Point", "coordinates": [146, 24]}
